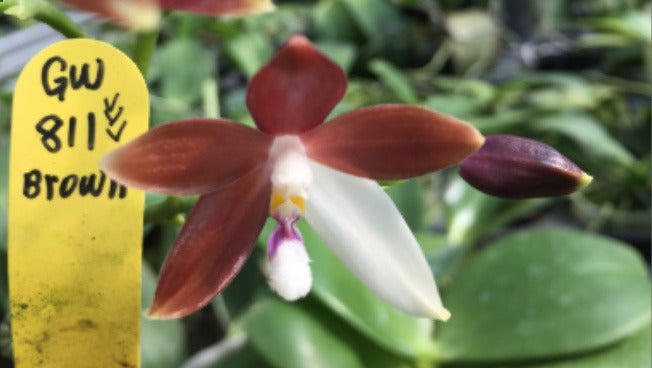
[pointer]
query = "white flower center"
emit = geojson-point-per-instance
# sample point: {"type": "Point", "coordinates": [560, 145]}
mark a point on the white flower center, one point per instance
{"type": "Point", "coordinates": [291, 177]}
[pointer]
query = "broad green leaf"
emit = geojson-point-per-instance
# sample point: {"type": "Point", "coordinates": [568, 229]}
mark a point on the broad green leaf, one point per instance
{"type": "Point", "coordinates": [473, 215]}
{"type": "Point", "coordinates": [409, 197]}
{"type": "Point", "coordinates": [336, 287]}
{"type": "Point", "coordinates": [545, 293]}
{"type": "Point", "coordinates": [162, 342]}
{"type": "Point", "coordinates": [288, 337]}
{"type": "Point", "coordinates": [370, 353]}
{"type": "Point", "coordinates": [394, 80]}
{"type": "Point", "coordinates": [249, 51]}
{"type": "Point", "coordinates": [587, 133]}
{"type": "Point", "coordinates": [633, 352]}
{"type": "Point", "coordinates": [441, 255]}
{"type": "Point", "coordinates": [184, 64]}
{"type": "Point", "coordinates": [246, 357]}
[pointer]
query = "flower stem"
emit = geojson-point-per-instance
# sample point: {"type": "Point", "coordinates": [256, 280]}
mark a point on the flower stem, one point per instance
{"type": "Point", "coordinates": [145, 45]}
{"type": "Point", "coordinates": [215, 353]}
{"type": "Point", "coordinates": [44, 12]}
{"type": "Point", "coordinates": [58, 20]}
{"type": "Point", "coordinates": [166, 211]}
{"type": "Point", "coordinates": [221, 312]}
{"type": "Point", "coordinates": [211, 98]}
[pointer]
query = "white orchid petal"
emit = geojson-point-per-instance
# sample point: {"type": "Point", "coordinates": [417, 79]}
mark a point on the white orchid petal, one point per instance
{"type": "Point", "coordinates": [361, 225]}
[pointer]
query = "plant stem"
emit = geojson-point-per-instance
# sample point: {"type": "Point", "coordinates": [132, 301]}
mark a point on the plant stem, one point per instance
{"type": "Point", "coordinates": [221, 312]}
{"type": "Point", "coordinates": [45, 13]}
{"type": "Point", "coordinates": [167, 210]}
{"type": "Point", "coordinates": [213, 354]}
{"type": "Point", "coordinates": [145, 45]}
{"type": "Point", "coordinates": [58, 20]}
{"type": "Point", "coordinates": [211, 98]}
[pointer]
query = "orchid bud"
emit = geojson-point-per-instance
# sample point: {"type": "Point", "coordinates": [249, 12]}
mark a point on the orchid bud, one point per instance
{"type": "Point", "coordinates": [514, 167]}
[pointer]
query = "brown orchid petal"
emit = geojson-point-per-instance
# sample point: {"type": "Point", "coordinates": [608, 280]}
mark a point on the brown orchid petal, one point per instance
{"type": "Point", "coordinates": [219, 7]}
{"type": "Point", "coordinates": [194, 156]}
{"type": "Point", "coordinates": [215, 241]}
{"type": "Point", "coordinates": [296, 90]}
{"type": "Point", "coordinates": [137, 15]}
{"type": "Point", "coordinates": [391, 142]}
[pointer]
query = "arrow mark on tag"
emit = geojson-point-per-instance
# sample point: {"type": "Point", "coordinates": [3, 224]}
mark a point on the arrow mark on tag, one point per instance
{"type": "Point", "coordinates": [113, 116]}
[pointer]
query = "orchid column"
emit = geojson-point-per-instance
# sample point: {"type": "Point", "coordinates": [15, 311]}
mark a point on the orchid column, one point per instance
{"type": "Point", "coordinates": [294, 166]}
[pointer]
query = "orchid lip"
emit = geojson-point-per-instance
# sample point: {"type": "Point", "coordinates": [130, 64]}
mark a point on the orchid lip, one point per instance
{"type": "Point", "coordinates": [288, 270]}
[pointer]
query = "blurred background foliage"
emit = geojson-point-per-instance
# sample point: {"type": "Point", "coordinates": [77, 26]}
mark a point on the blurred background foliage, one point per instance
{"type": "Point", "coordinates": [557, 283]}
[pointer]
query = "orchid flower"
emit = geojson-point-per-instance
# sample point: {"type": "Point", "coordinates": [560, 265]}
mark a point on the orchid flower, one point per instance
{"type": "Point", "coordinates": [143, 15]}
{"type": "Point", "coordinates": [294, 167]}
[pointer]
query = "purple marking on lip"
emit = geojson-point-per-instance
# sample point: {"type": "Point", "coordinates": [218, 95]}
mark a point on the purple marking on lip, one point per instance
{"type": "Point", "coordinates": [285, 230]}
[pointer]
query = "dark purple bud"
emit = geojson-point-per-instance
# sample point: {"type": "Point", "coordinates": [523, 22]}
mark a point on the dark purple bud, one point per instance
{"type": "Point", "coordinates": [514, 167]}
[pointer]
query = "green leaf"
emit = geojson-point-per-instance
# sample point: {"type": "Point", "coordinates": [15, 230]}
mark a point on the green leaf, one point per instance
{"type": "Point", "coordinates": [235, 107]}
{"type": "Point", "coordinates": [162, 342]}
{"type": "Point", "coordinates": [542, 294]}
{"type": "Point", "coordinates": [441, 255]}
{"type": "Point", "coordinates": [371, 354]}
{"type": "Point", "coordinates": [333, 21]}
{"type": "Point", "coordinates": [394, 80]}
{"type": "Point", "coordinates": [634, 352]}
{"type": "Point", "coordinates": [409, 198]}
{"type": "Point", "coordinates": [342, 53]}
{"type": "Point", "coordinates": [632, 24]}
{"type": "Point", "coordinates": [473, 215]}
{"type": "Point", "coordinates": [249, 51]}
{"type": "Point", "coordinates": [184, 64]}
{"type": "Point", "coordinates": [455, 105]}
{"type": "Point", "coordinates": [336, 287]}
{"type": "Point", "coordinates": [376, 18]}
{"type": "Point", "coordinates": [247, 357]}
{"type": "Point", "coordinates": [169, 109]}
{"type": "Point", "coordinates": [508, 121]}
{"type": "Point", "coordinates": [588, 134]}
{"type": "Point", "coordinates": [288, 337]}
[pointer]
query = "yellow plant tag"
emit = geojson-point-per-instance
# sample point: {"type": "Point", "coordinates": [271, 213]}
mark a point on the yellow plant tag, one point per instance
{"type": "Point", "coordinates": [74, 234]}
